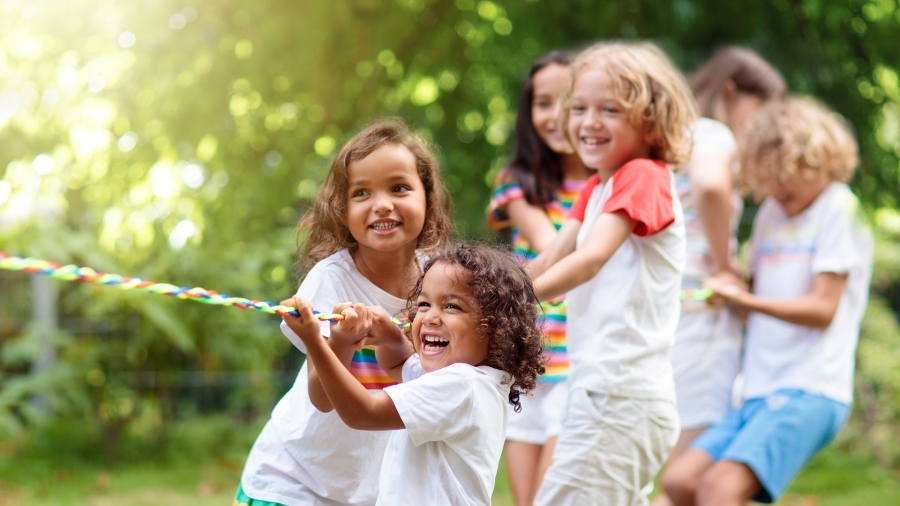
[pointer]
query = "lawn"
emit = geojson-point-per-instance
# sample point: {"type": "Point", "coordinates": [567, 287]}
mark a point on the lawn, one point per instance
{"type": "Point", "coordinates": [203, 458]}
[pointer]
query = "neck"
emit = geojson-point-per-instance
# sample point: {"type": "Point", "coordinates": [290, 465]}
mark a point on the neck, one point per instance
{"type": "Point", "coordinates": [395, 272]}
{"type": "Point", "coordinates": [572, 167]}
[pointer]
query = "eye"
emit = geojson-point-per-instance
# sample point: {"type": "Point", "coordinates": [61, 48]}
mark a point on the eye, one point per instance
{"type": "Point", "coordinates": [611, 110]}
{"type": "Point", "coordinates": [359, 193]}
{"type": "Point", "coordinates": [400, 188]}
{"type": "Point", "coordinates": [451, 305]}
{"type": "Point", "coordinates": [422, 304]}
{"type": "Point", "coordinates": [578, 108]}
{"type": "Point", "coordinates": [543, 104]}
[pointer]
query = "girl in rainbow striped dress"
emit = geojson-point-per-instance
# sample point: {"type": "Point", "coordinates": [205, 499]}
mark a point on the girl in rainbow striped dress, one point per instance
{"type": "Point", "coordinates": [380, 212]}
{"type": "Point", "coordinates": [532, 197]}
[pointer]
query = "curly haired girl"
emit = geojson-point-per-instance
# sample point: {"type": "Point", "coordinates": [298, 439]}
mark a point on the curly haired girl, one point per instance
{"type": "Point", "coordinates": [474, 329]}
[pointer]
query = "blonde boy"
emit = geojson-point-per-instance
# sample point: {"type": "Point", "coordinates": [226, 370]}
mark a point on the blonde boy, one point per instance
{"type": "Point", "coordinates": [620, 257]}
{"type": "Point", "coordinates": [811, 262]}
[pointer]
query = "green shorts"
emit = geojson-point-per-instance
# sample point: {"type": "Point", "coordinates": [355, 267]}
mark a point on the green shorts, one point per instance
{"type": "Point", "coordinates": [242, 499]}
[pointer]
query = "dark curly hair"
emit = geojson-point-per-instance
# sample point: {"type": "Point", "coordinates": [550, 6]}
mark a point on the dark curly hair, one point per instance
{"type": "Point", "coordinates": [507, 312]}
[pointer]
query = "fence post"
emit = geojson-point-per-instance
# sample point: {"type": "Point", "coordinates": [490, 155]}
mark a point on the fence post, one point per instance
{"type": "Point", "coordinates": [45, 323]}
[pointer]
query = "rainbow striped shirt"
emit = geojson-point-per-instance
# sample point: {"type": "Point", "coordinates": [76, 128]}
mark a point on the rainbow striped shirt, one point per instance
{"type": "Point", "coordinates": [365, 368]}
{"type": "Point", "coordinates": [507, 189]}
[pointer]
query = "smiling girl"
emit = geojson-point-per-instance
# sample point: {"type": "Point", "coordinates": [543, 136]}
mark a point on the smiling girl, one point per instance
{"type": "Point", "coordinates": [473, 327]}
{"type": "Point", "coordinates": [380, 211]}
{"type": "Point", "coordinates": [620, 257]}
{"type": "Point", "coordinates": [532, 197]}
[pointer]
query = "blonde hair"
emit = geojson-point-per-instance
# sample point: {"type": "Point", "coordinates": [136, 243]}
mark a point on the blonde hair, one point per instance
{"type": "Point", "coordinates": [795, 136]}
{"type": "Point", "coordinates": [654, 93]}
{"type": "Point", "coordinates": [325, 224]}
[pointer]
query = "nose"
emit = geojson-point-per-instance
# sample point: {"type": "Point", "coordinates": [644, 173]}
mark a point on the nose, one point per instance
{"type": "Point", "coordinates": [431, 318]}
{"type": "Point", "coordinates": [383, 204]}
{"type": "Point", "coordinates": [592, 119]}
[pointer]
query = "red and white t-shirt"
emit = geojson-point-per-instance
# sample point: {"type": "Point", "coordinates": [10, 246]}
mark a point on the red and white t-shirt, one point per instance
{"type": "Point", "coordinates": [622, 321]}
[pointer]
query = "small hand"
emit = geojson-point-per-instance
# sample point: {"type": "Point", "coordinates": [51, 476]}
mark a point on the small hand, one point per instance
{"type": "Point", "coordinates": [384, 331]}
{"type": "Point", "coordinates": [355, 325]}
{"type": "Point", "coordinates": [726, 287]}
{"type": "Point", "coordinates": [306, 325]}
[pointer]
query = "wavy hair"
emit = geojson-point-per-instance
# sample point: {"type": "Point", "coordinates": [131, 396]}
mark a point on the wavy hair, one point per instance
{"type": "Point", "coordinates": [325, 224]}
{"type": "Point", "coordinates": [793, 136]}
{"type": "Point", "coordinates": [507, 312]}
{"type": "Point", "coordinates": [653, 92]}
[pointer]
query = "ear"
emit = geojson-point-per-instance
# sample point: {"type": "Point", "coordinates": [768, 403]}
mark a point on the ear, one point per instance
{"type": "Point", "coordinates": [729, 89]}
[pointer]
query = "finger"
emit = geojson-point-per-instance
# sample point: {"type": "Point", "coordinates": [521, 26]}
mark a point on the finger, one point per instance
{"type": "Point", "coordinates": [350, 317]}
{"type": "Point", "coordinates": [304, 307]}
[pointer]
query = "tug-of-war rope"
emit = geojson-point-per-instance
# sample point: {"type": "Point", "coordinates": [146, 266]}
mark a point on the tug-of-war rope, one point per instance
{"type": "Point", "coordinates": [196, 294]}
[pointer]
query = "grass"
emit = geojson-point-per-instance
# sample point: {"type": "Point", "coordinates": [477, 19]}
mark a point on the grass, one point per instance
{"type": "Point", "coordinates": [201, 461]}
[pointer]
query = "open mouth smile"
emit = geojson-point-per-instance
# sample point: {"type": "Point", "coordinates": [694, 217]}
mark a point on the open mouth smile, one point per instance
{"type": "Point", "coordinates": [385, 225]}
{"type": "Point", "coordinates": [433, 343]}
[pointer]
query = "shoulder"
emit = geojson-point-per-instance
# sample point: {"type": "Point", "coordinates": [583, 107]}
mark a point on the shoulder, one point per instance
{"type": "Point", "coordinates": [710, 130]}
{"type": "Point", "coordinates": [330, 271]}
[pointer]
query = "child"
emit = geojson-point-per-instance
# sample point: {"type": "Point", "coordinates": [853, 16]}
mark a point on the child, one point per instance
{"type": "Point", "coordinates": [810, 263]}
{"type": "Point", "coordinates": [473, 326]}
{"type": "Point", "coordinates": [619, 256]}
{"type": "Point", "coordinates": [707, 350]}
{"type": "Point", "coordinates": [381, 208]}
{"type": "Point", "coordinates": [532, 197]}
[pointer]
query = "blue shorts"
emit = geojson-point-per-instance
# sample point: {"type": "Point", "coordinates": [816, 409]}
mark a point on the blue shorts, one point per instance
{"type": "Point", "coordinates": [775, 436]}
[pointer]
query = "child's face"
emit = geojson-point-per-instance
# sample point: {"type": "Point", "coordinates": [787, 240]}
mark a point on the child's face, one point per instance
{"type": "Point", "coordinates": [598, 124]}
{"type": "Point", "coordinates": [445, 329]}
{"type": "Point", "coordinates": [795, 193]}
{"type": "Point", "coordinates": [385, 200]}
{"type": "Point", "coordinates": [548, 84]}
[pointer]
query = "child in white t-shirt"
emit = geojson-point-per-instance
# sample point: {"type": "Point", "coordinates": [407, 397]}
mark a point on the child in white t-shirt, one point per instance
{"type": "Point", "coordinates": [620, 257]}
{"type": "Point", "coordinates": [810, 264]}
{"type": "Point", "coordinates": [381, 208]}
{"type": "Point", "coordinates": [473, 317]}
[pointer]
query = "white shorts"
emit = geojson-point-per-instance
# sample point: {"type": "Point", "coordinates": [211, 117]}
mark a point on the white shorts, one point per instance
{"type": "Point", "coordinates": [541, 415]}
{"type": "Point", "coordinates": [610, 449]}
{"type": "Point", "coordinates": [705, 358]}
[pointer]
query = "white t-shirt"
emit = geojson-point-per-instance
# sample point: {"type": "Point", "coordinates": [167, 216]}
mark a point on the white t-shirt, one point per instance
{"type": "Point", "coordinates": [786, 254]}
{"type": "Point", "coordinates": [302, 447]}
{"type": "Point", "coordinates": [709, 136]}
{"type": "Point", "coordinates": [622, 321]}
{"type": "Point", "coordinates": [455, 421]}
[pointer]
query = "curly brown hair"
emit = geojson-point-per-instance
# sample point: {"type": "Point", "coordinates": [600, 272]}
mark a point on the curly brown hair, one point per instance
{"type": "Point", "coordinates": [654, 93]}
{"type": "Point", "coordinates": [507, 312]}
{"type": "Point", "coordinates": [795, 135]}
{"type": "Point", "coordinates": [325, 225]}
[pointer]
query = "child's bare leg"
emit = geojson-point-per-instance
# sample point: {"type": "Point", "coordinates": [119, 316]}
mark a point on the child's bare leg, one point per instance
{"type": "Point", "coordinates": [684, 442]}
{"type": "Point", "coordinates": [682, 476]}
{"type": "Point", "coordinates": [543, 464]}
{"type": "Point", "coordinates": [727, 483]}
{"type": "Point", "coordinates": [522, 460]}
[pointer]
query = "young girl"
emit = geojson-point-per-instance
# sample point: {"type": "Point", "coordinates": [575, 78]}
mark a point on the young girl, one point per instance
{"type": "Point", "coordinates": [532, 197]}
{"type": "Point", "coordinates": [706, 354]}
{"type": "Point", "coordinates": [811, 264]}
{"type": "Point", "coordinates": [473, 317]}
{"type": "Point", "coordinates": [381, 208]}
{"type": "Point", "coordinates": [620, 257]}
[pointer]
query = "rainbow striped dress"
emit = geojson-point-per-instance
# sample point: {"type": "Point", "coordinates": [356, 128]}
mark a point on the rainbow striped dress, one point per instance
{"type": "Point", "coordinates": [507, 189]}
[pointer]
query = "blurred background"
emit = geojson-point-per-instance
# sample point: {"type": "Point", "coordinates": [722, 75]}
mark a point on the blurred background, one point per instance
{"type": "Point", "coordinates": [180, 141]}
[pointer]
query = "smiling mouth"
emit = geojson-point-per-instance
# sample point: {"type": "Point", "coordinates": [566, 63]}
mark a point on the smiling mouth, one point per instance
{"type": "Point", "coordinates": [593, 141]}
{"type": "Point", "coordinates": [434, 343]}
{"type": "Point", "coordinates": [385, 225]}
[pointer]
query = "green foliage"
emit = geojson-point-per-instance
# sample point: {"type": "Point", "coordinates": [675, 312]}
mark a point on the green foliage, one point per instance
{"type": "Point", "coordinates": [181, 141]}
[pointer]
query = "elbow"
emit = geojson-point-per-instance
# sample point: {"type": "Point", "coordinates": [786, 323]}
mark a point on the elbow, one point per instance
{"type": "Point", "coordinates": [823, 319]}
{"type": "Point", "coordinates": [321, 402]}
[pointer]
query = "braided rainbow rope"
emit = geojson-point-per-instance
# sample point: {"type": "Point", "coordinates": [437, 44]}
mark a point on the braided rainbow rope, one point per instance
{"type": "Point", "coordinates": [196, 294]}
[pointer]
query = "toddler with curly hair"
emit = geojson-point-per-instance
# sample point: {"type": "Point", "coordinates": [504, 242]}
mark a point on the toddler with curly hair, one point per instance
{"type": "Point", "coordinates": [477, 346]}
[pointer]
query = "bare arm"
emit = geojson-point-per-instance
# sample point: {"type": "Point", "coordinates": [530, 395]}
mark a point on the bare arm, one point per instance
{"type": "Point", "coordinates": [532, 222]}
{"type": "Point", "coordinates": [815, 309]}
{"type": "Point", "coordinates": [606, 235]}
{"type": "Point", "coordinates": [354, 404]}
{"type": "Point", "coordinates": [710, 175]}
{"type": "Point", "coordinates": [343, 342]}
{"type": "Point", "coordinates": [562, 245]}
{"type": "Point", "coordinates": [392, 348]}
